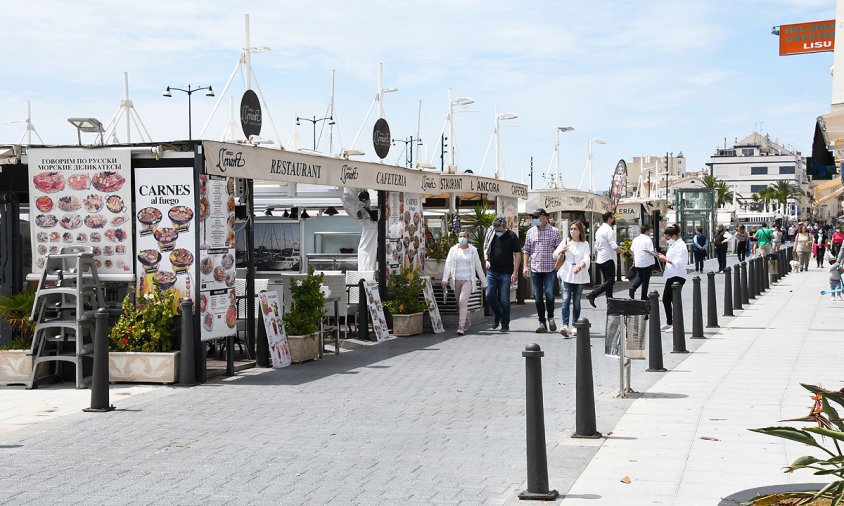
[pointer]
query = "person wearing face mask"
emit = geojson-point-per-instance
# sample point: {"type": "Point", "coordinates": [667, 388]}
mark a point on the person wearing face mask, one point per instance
{"type": "Point", "coordinates": [643, 259]}
{"type": "Point", "coordinates": [503, 255]}
{"type": "Point", "coordinates": [572, 265]}
{"type": "Point", "coordinates": [540, 242]}
{"type": "Point", "coordinates": [605, 249]}
{"type": "Point", "coordinates": [462, 270]}
{"type": "Point", "coordinates": [675, 260]}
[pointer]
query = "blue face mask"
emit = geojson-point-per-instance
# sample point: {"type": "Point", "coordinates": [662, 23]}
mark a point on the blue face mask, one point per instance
{"type": "Point", "coordinates": [499, 234]}
{"type": "Point", "coordinates": [537, 222]}
{"type": "Point", "coordinates": [462, 240]}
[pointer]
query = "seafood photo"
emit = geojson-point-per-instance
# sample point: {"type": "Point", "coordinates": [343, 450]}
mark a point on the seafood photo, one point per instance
{"type": "Point", "coordinates": [93, 203]}
{"type": "Point", "coordinates": [69, 203]}
{"type": "Point", "coordinates": [79, 181]}
{"type": "Point", "coordinates": [48, 182]}
{"type": "Point", "coordinates": [46, 220]}
{"type": "Point", "coordinates": [115, 204]}
{"type": "Point", "coordinates": [95, 221]}
{"type": "Point", "coordinates": [71, 221]}
{"type": "Point", "coordinates": [116, 235]}
{"type": "Point", "coordinates": [44, 204]}
{"type": "Point", "coordinates": [108, 181]}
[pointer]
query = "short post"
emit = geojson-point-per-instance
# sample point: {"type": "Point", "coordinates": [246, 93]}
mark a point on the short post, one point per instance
{"type": "Point", "coordinates": [728, 292]}
{"type": "Point", "coordinates": [99, 380]}
{"type": "Point", "coordinates": [783, 264]}
{"type": "Point", "coordinates": [187, 358]}
{"type": "Point", "coordinates": [678, 326]}
{"type": "Point", "coordinates": [751, 279]}
{"type": "Point", "coordinates": [711, 302]}
{"type": "Point", "coordinates": [654, 336]}
{"type": "Point", "coordinates": [537, 459]}
{"type": "Point", "coordinates": [745, 292]}
{"type": "Point", "coordinates": [584, 426]}
{"type": "Point", "coordinates": [363, 313]}
{"type": "Point", "coordinates": [767, 263]}
{"type": "Point", "coordinates": [774, 263]}
{"type": "Point", "coordinates": [697, 309]}
{"type": "Point", "coordinates": [763, 274]}
{"type": "Point", "coordinates": [737, 296]}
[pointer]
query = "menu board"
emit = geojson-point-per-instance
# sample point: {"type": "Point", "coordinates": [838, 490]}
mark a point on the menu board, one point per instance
{"type": "Point", "coordinates": [82, 197]}
{"type": "Point", "coordinates": [405, 232]}
{"type": "Point", "coordinates": [218, 312]}
{"type": "Point", "coordinates": [433, 308]}
{"type": "Point", "coordinates": [376, 311]}
{"type": "Point", "coordinates": [165, 232]}
{"type": "Point", "coordinates": [509, 209]}
{"type": "Point", "coordinates": [271, 306]}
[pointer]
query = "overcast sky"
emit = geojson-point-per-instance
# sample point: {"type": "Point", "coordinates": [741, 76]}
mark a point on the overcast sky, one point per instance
{"type": "Point", "coordinates": [646, 76]}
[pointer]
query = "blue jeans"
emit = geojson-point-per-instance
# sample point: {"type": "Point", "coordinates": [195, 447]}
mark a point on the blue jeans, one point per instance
{"type": "Point", "coordinates": [498, 296]}
{"type": "Point", "coordinates": [571, 295]}
{"type": "Point", "coordinates": [543, 285]}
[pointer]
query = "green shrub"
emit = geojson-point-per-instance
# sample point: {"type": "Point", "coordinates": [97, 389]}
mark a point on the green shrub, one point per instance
{"type": "Point", "coordinates": [147, 325]}
{"type": "Point", "coordinates": [307, 305]}
{"type": "Point", "coordinates": [406, 286]}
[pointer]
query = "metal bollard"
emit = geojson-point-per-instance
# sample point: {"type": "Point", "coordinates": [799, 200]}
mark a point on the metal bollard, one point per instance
{"type": "Point", "coordinates": [766, 268]}
{"type": "Point", "coordinates": [745, 292]}
{"type": "Point", "coordinates": [679, 328]}
{"type": "Point", "coordinates": [537, 459]}
{"type": "Point", "coordinates": [99, 380]}
{"type": "Point", "coordinates": [697, 309]}
{"type": "Point", "coordinates": [763, 275]}
{"type": "Point", "coordinates": [584, 389]}
{"type": "Point", "coordinates": [783, 264]}
{"type": "Point", "coordinates": [751, 279]}
{"type": "Point", "coordinates": [654, 336]}
{"type": "Point", "coordinates": [187, 358]}
{"type": "Point", "coordinates": [737, 297]}
{"type": "Point", "coordinates": [728, 292]}
{"type": "Point", "coordinates": [775, 267]}
{"type": "Point", "coordinates": [711, 302]}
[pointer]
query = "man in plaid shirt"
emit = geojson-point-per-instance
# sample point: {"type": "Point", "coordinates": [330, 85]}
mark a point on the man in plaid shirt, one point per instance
{"type": "Point", "coordinates": [540, 242]}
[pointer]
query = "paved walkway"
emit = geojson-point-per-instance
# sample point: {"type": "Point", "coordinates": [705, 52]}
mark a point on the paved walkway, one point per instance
{"type": "Point", "coordinates": [685, 440]}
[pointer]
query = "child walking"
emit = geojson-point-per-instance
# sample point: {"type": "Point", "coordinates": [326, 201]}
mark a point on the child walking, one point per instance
{"type": "Point", "coordinates": [835, 279]}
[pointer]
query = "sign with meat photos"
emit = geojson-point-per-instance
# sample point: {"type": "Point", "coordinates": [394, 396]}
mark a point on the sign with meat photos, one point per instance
{"type": "Point", "coordinates": [217, 296]}
{"type": "Point", "coordinates": [82, 197]}
{"type": "Point", "coordinates": [165, 232]}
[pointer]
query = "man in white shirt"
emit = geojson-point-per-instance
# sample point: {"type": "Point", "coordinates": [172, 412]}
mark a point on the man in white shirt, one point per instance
{"type": "Point", "coordinates": [675, 260]}
{"type": "Point", "coordinates": [643, 260]}
{"type": "Point", "coordinates": [605, 249]}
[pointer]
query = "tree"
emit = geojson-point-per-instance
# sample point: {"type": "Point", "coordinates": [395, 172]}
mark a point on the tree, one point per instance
{"type": "Point", "coordinates": [723, 194]}
{"type": "Point", "coordinates": [784, 190]}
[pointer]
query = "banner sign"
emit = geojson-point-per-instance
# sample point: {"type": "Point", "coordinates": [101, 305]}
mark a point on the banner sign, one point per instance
{"type": "Point", "coordinates": [82, 197]}
{"type": "Point", "coordinates": [802, 38]}
{"type": "Point", "coordinates": [509, 209]}
{"type": "Point", "coordinates": [405, 233]}
{"type": "Point", "coordinates": [376, 311]}
{"type": "Point", "coordinates": [264, 164]}
{"type": "Point", "coordinates": [381, 139]}
{"type": "Point", "coordinates": [619, 181]}
{"type": "Point", "coordinates": [569, 201]}
{"type": "Point", "coordinates": [250, 114]}
{"type": "Point", "coordinates": [218, 311]}
{"type": "Point", "coordinates": [433, 308]}
{"type": "Point", "coordinates": [271, 307]}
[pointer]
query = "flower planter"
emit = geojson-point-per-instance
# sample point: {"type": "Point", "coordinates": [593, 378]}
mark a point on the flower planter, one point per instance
{"type": "Point", "coordinates": [15, 367]}
{"type": "Point", "coordinates": [138, 367]}
{"type": "Point", "coordinates": [303, 348]}
{"type": "Point", "coordinates": [407, 324]}
{"type": "Point", "coordinates": [433, 268]}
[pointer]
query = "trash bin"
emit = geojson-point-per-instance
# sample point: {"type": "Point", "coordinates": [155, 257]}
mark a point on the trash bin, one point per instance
{"type": "Point", "coordinates": [629, 315]}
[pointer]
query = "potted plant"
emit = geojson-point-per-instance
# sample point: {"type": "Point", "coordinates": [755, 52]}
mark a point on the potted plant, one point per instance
{"type": "Point", "coordinates": [438, 252]}
{"type": "Point", "coordinates": [15, 360]}
{"type": "Point", "coordinates": [302, 320]}
{"type": "Point", "coordinates": [142, 339]}
{"type": "Point", "coordinates": [406, 307]}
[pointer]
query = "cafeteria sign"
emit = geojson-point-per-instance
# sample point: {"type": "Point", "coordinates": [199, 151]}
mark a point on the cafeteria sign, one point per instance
{"type": "Point", "coordinates": [801, 38]}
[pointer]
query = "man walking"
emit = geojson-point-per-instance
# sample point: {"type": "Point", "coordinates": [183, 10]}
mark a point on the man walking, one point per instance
{"type": "Point", "coordinates": [503, 255]}
{"type": "Point", "coordinates": [720, 243]}
{"type": "Point", "coordinates": [644, 260]}
{"type": "Point", "coordinates": [540, 242]}
{"type": "Point", "coordinates": [764, 236]}
{"type": "Point", "coordinates": [605, 247]}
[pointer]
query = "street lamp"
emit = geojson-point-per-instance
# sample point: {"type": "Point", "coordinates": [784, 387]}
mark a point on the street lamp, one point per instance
{"type": "Point", "coordinates": [190, 91]}
{"type": "Point", "coordinates": [557, 132]}
{"type": "Point", "coordinates": [451, 103]}
{"type": "Point", "coordinates": [592, 141]}
{"type": "Point", "coordinates": [408, 148]}
{"type": "Point", "coordinates": [498, 119]}
{"type": "Point", "coordinates": [315, 121]}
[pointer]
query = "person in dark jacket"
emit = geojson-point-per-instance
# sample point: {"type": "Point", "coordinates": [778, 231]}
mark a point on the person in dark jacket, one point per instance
{"type": "Point", "coordinates": [720, 244]}
{"type": "Point", "coordinates": [699, 245]}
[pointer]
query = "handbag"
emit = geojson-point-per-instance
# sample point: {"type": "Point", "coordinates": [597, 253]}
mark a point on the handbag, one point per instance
{"type": "Point", "coordinates": [632, 272]}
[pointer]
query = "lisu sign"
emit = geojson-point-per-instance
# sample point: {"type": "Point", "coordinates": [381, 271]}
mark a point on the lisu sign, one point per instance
{"type": "Point", "coordinates": [815, 37]}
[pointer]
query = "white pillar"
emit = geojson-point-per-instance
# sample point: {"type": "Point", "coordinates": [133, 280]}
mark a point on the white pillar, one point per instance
{"type": "Point", "coordinates": [838, 59]}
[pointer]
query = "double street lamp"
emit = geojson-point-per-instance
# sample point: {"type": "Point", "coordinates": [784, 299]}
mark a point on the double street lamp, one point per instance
{"type": "Point", "coordinates": [315, 121]}
{"type": "Point", "coordinates": [498, 119]}
{"type": "Point", "coordinates": [190, 91]}
{"type": "Point", "coordinates": [557, 131]}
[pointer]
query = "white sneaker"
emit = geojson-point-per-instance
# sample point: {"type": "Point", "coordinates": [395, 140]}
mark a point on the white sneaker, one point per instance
{"type": "Point", "coordinates": [573, 331]}
{"type": "Point", "coordinates": [666, 327]}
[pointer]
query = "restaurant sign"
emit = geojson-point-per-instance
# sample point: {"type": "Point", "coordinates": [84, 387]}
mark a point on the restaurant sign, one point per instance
{"type": "Point", "coordinates": [250, 114]}
{"type": "Point", "coordinates": [801, 38]}
{"type": "Point", "coordinates": [570, 201]}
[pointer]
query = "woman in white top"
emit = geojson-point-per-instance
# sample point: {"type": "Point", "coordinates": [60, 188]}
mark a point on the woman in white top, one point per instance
{"type": "Point", "coordinates": [675, 260]}
{"type": "Point", "coordinates": [644, 260]}
{"type": "Point", "coordinates": [572, 264]}
{"type": "Point", "coordinates": [462, 270]}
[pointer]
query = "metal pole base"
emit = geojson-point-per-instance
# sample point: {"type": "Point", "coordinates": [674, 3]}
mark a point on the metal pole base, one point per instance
{"type": "Point", "coordinates": [99, 410]}
{"type": "Point", "coordinates": [684, 351]}
{"type": "Point", "coordinates": [596, 435]}
{"type": "Point", "coordinates": [656, 370]}
{"type": "Point", "coordinates": [699, 337]}
{"type": "Point", "coordinates": [538, 496]}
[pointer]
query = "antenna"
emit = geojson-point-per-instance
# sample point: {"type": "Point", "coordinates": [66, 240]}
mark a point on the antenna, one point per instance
{"type": "Point", "coordinates": [30, 128]}
{"type": "Point", "coordinates": [379, 99]}
{"type": "Point", "coordinates": [126, 111]}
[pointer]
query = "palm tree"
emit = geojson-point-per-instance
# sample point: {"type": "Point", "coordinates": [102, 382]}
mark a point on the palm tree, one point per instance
{"type": "Point", "coordinates": [784, 190]}
{"type": "Point", "coordinates": [478, 222]}
{"type": "Point", "coordinates": [723, 194]}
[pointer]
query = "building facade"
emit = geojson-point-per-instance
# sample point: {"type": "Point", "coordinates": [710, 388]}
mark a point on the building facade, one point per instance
{"type": "Point", "coordinates": [646, 174]}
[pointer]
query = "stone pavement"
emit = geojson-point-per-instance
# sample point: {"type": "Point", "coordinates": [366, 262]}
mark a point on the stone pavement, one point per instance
{"type": "Point", "coordinates": [685, 440]}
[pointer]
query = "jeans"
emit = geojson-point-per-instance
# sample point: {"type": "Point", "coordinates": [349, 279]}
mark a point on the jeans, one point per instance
{"type": "Point", "coordinates": [543, 285]}
{"type": "Point", "coordinates": [834, 284]}
{"type": "Point", "coordinates": [700, 255]}
{"type": "Point", "coordinates": [721, 253]}
{"type": "Point", "coordinates": [643, 278]}
{"type": "Point", "coordinates": [608, 274]}
{"type": "Point", "coordinates": [571, 296]}
{"type": "Point", "coordinates": [668, 298]}
{"type": "Point", "coordinates": [498, 296]}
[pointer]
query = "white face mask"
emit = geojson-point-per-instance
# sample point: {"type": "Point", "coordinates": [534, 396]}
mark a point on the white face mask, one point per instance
{"type": "Point", "coordinates": [575, 234]}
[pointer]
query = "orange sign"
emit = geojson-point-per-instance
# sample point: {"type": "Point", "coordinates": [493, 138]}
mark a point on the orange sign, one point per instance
{"type": "Point", "coordinates": [815, 37]}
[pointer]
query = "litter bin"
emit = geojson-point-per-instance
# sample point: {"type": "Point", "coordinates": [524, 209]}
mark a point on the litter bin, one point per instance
{"type": "Point", "coordinates": [626, 335]}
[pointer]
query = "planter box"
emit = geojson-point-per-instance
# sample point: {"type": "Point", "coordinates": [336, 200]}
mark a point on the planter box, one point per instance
{"type": "Point", "coordinates": [303, 348]}
{"type": "Point", "coordinates": [407, 324]}
{"type": "Point", "coordinates": [15, 367]}
{"type": "Point", "coordinates": [433, 268]}
{"type": "Point", "coordinates": [138, 367]}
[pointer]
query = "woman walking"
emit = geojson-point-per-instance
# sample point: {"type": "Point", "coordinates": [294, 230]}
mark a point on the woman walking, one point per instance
{"type": "Point", "coordinates": [675, 260]}
{"type": "Point", "coordinates": [572, 264]}
{"type": "Point", "coordinates": [699, 245]}
{"type": "Point", "coordinates": [803, 247]}
{"type": "Point", "coordinates": [462, 270]}
{"type": "Point", "coordinates": [821, 238]}
{"type": "Point", "coordinates": [777, 240]}
{"type": "Point", "coordinates": [643, 259]}
{"type": "Point", "coordinates": [837, 240]}
{"type": "Point", "coordinates": [742, 244]}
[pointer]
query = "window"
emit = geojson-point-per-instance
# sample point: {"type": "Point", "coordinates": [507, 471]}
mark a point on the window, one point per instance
{"type": "Point", "coordinates": [758, 171]}
{"type": "Point", "coordinates": [786, 170]}
{"type": "Point", "coordinates": [727, 152]}
{"type": "Point", "coordinates": [756, 188]}
{"type": "Point", "coordinates": [748, 152]}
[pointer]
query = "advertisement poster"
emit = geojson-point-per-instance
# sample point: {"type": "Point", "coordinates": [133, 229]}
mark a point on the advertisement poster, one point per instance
{"type": "Point", "coordinates": [376, 311]}
{"type": "Point", "coordinates": [165, 231]}
{"type": "Point", "coordinates": [405, 231]}
{"type": "Point", "coordinates": [218, 311]}
{"type": "Point", "coordinates": [270, 303]}
{"type": "Point", "coordinates": [433, 308]}
{"type": "Point", "coordinates": [509, 209]}
{"type": "Point", "coordinates": [395, 229]}
{"type": "Point", "coordinates": [82, 197]}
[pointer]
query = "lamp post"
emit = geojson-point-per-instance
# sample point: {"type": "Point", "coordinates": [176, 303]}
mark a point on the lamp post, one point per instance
{"type": "Point", "coordinates": [557, 151]}
{"type": "Point", "coordinates": [315, 121]}
{"type": "Point", "coordinates": [451, 103]}
{"type": "Point", "coordinates": [591, 142]}
{"type": "Point", "coordinates": [408, 147]}
{"type": "Point", "coordinates": [498, 119]}
{"type": "Point", "coordinates": [190, 91]}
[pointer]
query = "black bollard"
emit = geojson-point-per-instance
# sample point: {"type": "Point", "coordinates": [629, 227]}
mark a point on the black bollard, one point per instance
{"type": "Point", "coordinates": [362, 318]}
{"type": "Point", "coordinates": [760, 274]}
{"type": "Point", "coordinates": [584, 390]}
{"type": "Point", "coordinates": [728, 292]}
{"type": "Point", "coordinates": [783, 264]}
{"type": "Point", "coordinates": [99, 380]}
{"type": "Point", "coordinates": [745, 293]}
{"type": "Point", "coordinates": [711, 302]}
{"type": "Point", "coordinates": [679, 327]}
{"type": "Point", "coordinates": [697, 309]}
{"type": "Point", "coordinates": [751, 279]}
{"type": "Point", "coordinates": [654, 336]}
{"type": "Point", "coordinates": [537, 459]}
{"type": "Point", "coordinates": [187, 358]}
{"type": "Point", "coordinates": [766, 269]}
{"type": "Point", "coordinates": [737, 297]}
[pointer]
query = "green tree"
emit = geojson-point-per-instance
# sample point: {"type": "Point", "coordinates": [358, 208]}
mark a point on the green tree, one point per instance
{"type": "Point", "coordinates": [723, 193]}
{"type": "Point", "coordinates": [781, 191]}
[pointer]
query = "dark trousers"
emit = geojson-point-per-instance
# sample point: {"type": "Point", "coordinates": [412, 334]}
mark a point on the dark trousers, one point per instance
{"type": "Point", "coordinates": [721, 253]}
{"type": "Point", "coordinates": [819, 255]}
{"type": "Point", "coordinates": [668, 299]}
{"type": "Point", "coordinates": [700, 255]}
{"type": "Point", "coordinates": [543, 288]}
{"type": "Point", "coordinates": [741, 250]}
{"type": "Point", "coordinates": [498, 296]}
{"type": "Point", "coordinates": [643, 279]}
{"type": "Point", "coordinates": [608, 274]}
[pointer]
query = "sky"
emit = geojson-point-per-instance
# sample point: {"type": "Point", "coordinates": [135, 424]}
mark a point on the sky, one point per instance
{"type": "Point", "coordinates": [648, 77]}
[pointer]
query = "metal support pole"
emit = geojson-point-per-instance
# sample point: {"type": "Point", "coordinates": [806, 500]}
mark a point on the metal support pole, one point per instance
{"type": "Point", "coordinates": [745, 292]}
{"type": "Point", "coordinates": [537, 459]}
{"type": "Point", "coordinates": [751, 279]}
{"type": "Point", "coordinates": [249, 229]}
{"type": "Point", "coordinates": [728, 292]}
{"type": "Point", "coordinates": [187, 353]}
{"type": "Point", "coordinates": [585, 426]}
{"type": "Point", "coordinates": [678, 325]}
{"type": "Point", "coordinates": [654, 336]}
{"type": "Point", "coordinates": [697, 310]}
{"type": "Point", "coordinates": [766, 278]}
{"type": "Point", "coordinates": [711, 302]}
{"type": "Point", "coordinates": [99, 381]}
{"type": "Point", "coordinates": [363, 313]}
{"type": "Point", "coordinates": [737, 296]}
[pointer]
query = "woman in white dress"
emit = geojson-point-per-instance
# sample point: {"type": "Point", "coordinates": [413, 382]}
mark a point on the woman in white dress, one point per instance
{"type": "Point", "coordinates": [572, 264]}
{"type": "Point", "coordinates": [462, 271]}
